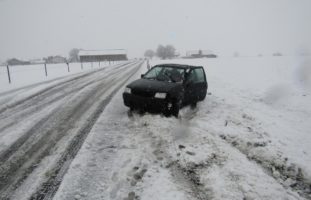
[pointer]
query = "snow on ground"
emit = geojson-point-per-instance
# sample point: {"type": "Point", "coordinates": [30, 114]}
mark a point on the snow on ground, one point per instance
{"type": "Point", "coordinates": [32, 82]}
{"type": "Point", "coordinates": [31, 74]}
{"type": "Point", "coordinates": [115, 158]}
{"type": "Point", "coordinates": [42, 123]}
{"type": "Point", "coordinates": [249, 139]}
{"type": "Point", "coordinates": [267, 94]}
{"type": "Point", "coordinates": [13, 97]}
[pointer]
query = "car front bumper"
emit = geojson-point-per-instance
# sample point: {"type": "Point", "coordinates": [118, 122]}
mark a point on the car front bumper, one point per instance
{"type": "Point", "coordinates": [146, 103]}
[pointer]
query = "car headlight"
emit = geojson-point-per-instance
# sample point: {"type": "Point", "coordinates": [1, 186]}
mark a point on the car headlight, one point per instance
{"type": "Point", "coordinates": [127, 90]}
{"type": "Point", "coordinates": [160, 95]}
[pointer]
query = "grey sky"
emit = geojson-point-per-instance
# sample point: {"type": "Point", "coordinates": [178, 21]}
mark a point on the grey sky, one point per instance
{"type": "Point", "coordinates": [37, 28]}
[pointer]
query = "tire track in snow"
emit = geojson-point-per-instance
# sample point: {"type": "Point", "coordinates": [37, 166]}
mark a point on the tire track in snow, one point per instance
{"type": "Point", "coordinates": [184, 176]}
{"type": "Point", "coordinates": [18, 166]}
{"type": "Point", "coordinates": [20, 113]}
{"type": "Point", "coordinates": [280, 171]}
{"type": "Point", "coordinates": [49, 188]}
{"type": "Point", "coordinates": [286, 174]}
{"type": "Point", "coordinates": [57, 85]}
{"type": "Point", "coordinates": [29, 98]}
{"type": "Point", "coordinates": [35, 107]}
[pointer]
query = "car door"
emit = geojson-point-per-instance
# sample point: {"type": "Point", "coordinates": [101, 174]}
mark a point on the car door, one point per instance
{"type": "Point", "coordinates": [196, 85]}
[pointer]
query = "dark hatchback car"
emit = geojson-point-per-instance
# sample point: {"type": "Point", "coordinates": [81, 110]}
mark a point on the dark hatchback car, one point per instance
{"type": "Point", "coordinates": [166, 88]}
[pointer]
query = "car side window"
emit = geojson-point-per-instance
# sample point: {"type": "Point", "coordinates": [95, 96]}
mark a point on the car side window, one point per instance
{"type": "Point", "coordinates": [200, 75]}
{"type": "Point", "coordinates": [197, 76]}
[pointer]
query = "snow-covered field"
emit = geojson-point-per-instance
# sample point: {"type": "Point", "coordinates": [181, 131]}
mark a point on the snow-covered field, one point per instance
{"type": "Point", "coordinates": [249, 139]}
{"type": "Point", "coordinates": [31, 74]}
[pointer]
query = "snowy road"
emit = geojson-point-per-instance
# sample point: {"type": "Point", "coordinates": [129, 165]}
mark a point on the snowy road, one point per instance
{"type": "Point", "coordinates": [234, 145]}
{"type": "Point", "coordinates": [43, 126]}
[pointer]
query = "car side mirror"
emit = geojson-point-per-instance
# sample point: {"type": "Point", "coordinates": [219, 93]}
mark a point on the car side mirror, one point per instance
{"type": "Point", "coordinates": [142, 76]}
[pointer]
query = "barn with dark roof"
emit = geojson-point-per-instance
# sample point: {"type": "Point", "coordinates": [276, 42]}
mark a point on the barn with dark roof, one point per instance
{"type": "Point", "coordinates": [102, 55]}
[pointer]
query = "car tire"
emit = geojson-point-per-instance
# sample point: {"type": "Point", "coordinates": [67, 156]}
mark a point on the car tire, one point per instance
{"type": "Point", "coordinates": [193, 105]}
{"type": "Point", "coordinates": [175, 108]}
{"type": "Point", "coordinates": [130, 113]}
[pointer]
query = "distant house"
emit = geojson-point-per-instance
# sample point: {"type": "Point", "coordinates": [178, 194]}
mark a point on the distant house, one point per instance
{"type": "Point", "coordinates": [15, 61]}
{"type": "Point", "coordinates": [200, 54]}
{"type": "Point", "coordinates": [277, 54]}
{"type": "Point", "coordinates": [37, 61]}
{"type": "Point", "coordinates": [55, 59]}
{"type": "Point", "coordinates": [177, 54]}
{"type": "Point", "coordinates": [102, 55]}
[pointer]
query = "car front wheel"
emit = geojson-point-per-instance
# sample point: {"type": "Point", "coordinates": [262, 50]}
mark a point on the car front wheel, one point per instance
{"type": "Point", "coordinates": [193, 105]}
{"type": "Point", "coordinates": [175, 107]}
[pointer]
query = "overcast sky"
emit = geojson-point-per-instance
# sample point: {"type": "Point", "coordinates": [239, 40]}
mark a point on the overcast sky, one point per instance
{"type": "Point", "coordinates": [37, 28]}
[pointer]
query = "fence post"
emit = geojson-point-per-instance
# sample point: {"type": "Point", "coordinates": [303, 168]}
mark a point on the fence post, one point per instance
{"type": "Point", "coordinates": [46, 71]}
{"type": "Point", "coordinates": [92, 64]}
{"type": "Point", "coordinates": [81, 65]}
{"type": "Point", "coordinates": [99, 64]}
{"type": "Point", "coordinates": [68, 67]}
{"type": "Point", "coordinates": [9, 76]}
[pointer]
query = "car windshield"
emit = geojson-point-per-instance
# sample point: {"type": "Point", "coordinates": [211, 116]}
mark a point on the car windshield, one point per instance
{"type": "Point", "coordinates": [165, 73]}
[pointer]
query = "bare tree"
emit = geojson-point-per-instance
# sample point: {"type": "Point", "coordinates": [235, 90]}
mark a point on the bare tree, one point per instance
{"type": "Point", "coordinates": [161, 52]}
{"type": "Point", "coordinates": [165, 52]}
{"type": "Point", "coordinates": [74, 55]}
{"type": "Point", "coordinates": [149, 53]}
{"type": "Point", "coordinates": [170, 51]}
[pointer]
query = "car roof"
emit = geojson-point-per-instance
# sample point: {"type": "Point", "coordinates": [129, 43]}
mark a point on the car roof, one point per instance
{"type": "Point", "coordinates": [178, 66]}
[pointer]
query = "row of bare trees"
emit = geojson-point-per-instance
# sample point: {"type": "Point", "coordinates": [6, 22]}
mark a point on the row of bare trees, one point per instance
{"type": "Point", "coordinates": [164, 52]}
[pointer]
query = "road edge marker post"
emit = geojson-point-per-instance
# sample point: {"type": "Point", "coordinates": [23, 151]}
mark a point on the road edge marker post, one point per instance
{"type": "Point", "coordinates": [46, 71]}
{"type": "Point", "coordinates": [9, 75]}
{"type": "Point", "coordinates": [68, 66]}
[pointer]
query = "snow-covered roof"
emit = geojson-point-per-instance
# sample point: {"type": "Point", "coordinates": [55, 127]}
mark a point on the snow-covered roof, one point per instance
{"type": "Point", "coordinates": [102, 52]}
